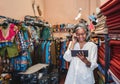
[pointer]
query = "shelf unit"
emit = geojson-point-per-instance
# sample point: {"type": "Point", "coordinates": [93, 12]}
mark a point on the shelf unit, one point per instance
{"type": "Point", "coordinates": [107, 56]}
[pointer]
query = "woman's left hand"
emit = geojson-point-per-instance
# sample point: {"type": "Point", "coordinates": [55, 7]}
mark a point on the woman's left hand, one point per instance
{"type": "Point", "coordinates": [84, 59]}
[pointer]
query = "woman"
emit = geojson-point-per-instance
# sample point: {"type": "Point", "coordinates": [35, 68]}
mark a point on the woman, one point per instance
{"type": "Point", "coordinates": [81, 67]}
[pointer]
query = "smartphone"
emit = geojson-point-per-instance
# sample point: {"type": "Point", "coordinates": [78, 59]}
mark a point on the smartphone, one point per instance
{"type": "Point", "coordinates": [75, 52]}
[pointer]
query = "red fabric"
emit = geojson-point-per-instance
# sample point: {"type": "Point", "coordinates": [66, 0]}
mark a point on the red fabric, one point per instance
{"type": "Point", "coordinates": [115, 63]}
{"type": "Point", "coordinates": [101, 49]}
{"type": "Point", "coordinates": [115, 72]}
{"type": "Point", "coordinates": [113, 17]}
{"type": "Point", "coordinates": [116, 57]}
{"type": "Point", "coordinates": [11, 32]}
{"type": "Point", "coordinates": [102, 62]}
{"type": "Point", "coordinates": [101, 54]}
{"type": "Point", "coordinates": [113, 21]}
{"type": "Point", "coordinates": [114, 9]}
{"type": "Point", "coordinates": [105, 3]}
{"type": "Point", "coordinates": [91, 27]}
{"type": "Point", "coordinates": [114, 31]}
{"type": "Point", "coordinates": [111, 4]}
{"type": "Point", "coordinates": [114, 42]}
{"type": "Point", "coordinates": [114, 24]}
{"type": "Point", "coordinates": [114, 28]}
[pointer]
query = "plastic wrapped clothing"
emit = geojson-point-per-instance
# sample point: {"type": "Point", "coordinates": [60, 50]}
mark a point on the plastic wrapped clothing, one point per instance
{"type": "Point", "coordinates": [78, 72]}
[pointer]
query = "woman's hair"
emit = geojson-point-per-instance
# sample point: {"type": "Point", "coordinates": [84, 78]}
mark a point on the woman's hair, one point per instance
{"type": "Point", "coordinates": [80, 25]}
{"type": "Point", "coordinates": [85, 27]}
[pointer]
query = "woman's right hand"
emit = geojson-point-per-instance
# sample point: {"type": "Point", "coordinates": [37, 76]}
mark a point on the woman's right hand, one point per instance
{"type": "Point", "coordinates": [74, 38]}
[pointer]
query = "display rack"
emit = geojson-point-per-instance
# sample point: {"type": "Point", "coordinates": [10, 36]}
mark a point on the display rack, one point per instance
{"type": "Point", "coordinates": [104, 77]}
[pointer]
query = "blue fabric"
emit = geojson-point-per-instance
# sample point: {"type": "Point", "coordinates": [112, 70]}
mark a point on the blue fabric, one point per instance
{"type": "Point", "coordinates": [26, 38]}
{"type": "Point", "coordinates": [92, 18]}
{"type": "Point", "coordinates": [47, 60]}
{"type": "Point", "coordinates": [16, 63]}
{"type": "Point", "coordinates": [34, 34]}
{"type": "Point", "coordinates": [42, 47]}
{"type": "Point", "coordinates": [29, 58]}
{"type": "Point", "coordinates": [22, 41]}
{"type": "Point", "coordinates": [101, 69]}
{"type": "Point", "coordinates": [4, 44]}
{"type": "Point", "coordinates": [63, 48]}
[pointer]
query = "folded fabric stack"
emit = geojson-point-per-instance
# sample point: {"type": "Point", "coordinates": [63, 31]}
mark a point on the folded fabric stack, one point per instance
{"type": "Point", "coordinates": [115, 60]}
{"type": "Point", "coordinates": [111, 9]}
{"type": "Point", "coordinates": [101, 55]}
{"type": "Point", "coordinates": [100, 27]}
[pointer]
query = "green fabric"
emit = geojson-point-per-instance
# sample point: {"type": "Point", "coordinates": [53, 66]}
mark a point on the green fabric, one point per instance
{"type": "Point", "coordinates": [101, 81]}
{"type": "Point", "coordinates": [2, 51]}
{"type": "Point", "coordinates": [12, 51]}
{"type": "Point", "coordinates": [45, 34]}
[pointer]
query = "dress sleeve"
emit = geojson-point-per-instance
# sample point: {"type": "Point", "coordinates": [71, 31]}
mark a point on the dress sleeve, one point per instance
{"type": "Point", "coordinates": [67, 55]}
{"type": "Point", "coordinates": [93, 57]}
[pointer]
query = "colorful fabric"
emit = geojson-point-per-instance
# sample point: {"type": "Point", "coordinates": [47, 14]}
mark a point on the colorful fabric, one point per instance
{"type": "Point", "coordinates": [4, 44]}
{"type": "Point", "coordinates": [10, 34]}
{"type": "Point", "coordinates": [53, 54]}
{"type": "Point", "coordinates": [47, 55]}
{"type": "Point", "coordinates": [12, 51]}
{"type": "Point", "coordinates": [45, 33]}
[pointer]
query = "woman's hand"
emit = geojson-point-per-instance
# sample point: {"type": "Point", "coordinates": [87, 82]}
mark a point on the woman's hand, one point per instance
{"type": "Point", "coordinates": [84, 59]}
{"type": "Point", "coordinates": [74, 38]}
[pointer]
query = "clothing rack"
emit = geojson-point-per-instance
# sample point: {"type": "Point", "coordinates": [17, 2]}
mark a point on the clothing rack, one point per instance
{"type": "Point", "coordinates": [29, 21]}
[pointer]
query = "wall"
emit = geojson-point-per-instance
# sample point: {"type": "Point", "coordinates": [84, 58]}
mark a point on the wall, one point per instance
{"type": "Point", "coordinates": [64, 11]}
{"type": "Point", "coordinates": [18, 8]}
{"type": "Point", "coordinates": [53, 11]}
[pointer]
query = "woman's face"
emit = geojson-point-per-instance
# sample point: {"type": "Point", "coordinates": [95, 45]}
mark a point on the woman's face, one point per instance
{"type": "Point", "coordinates": [81, 35]}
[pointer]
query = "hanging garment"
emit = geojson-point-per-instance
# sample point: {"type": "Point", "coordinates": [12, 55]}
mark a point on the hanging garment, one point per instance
{"type": "Point", "coordinates": [53, 55]}
{"type": "Point", "coordinates": [19, 63]}
{"type": "Point", "coordinates": [23, 45]}
{"type": "Point", "coordinates": [45, 33]}
{"type": "Point", "coordinates": [34, 34]}
{"type": "Point", "coordinates": [4, 44]}
{"type": "Point", "coordinates": [9, 33]}
{"type": "Point", "coordinates": [43, 50]}
{"type": "Point", "coordinates": [11, 51]}
{"type": "Point", "coordinates": [47, 53]}
{"type": "Point", "coordinates": [62, 50]}
{"type": "Point", "coordinates": [78, 72]}
{"type": "Point", "coordinates": [36, 58]}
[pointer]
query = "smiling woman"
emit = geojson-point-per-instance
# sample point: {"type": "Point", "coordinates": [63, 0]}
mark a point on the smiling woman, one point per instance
{"type": "Point", "coordinates": [81, 67]}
